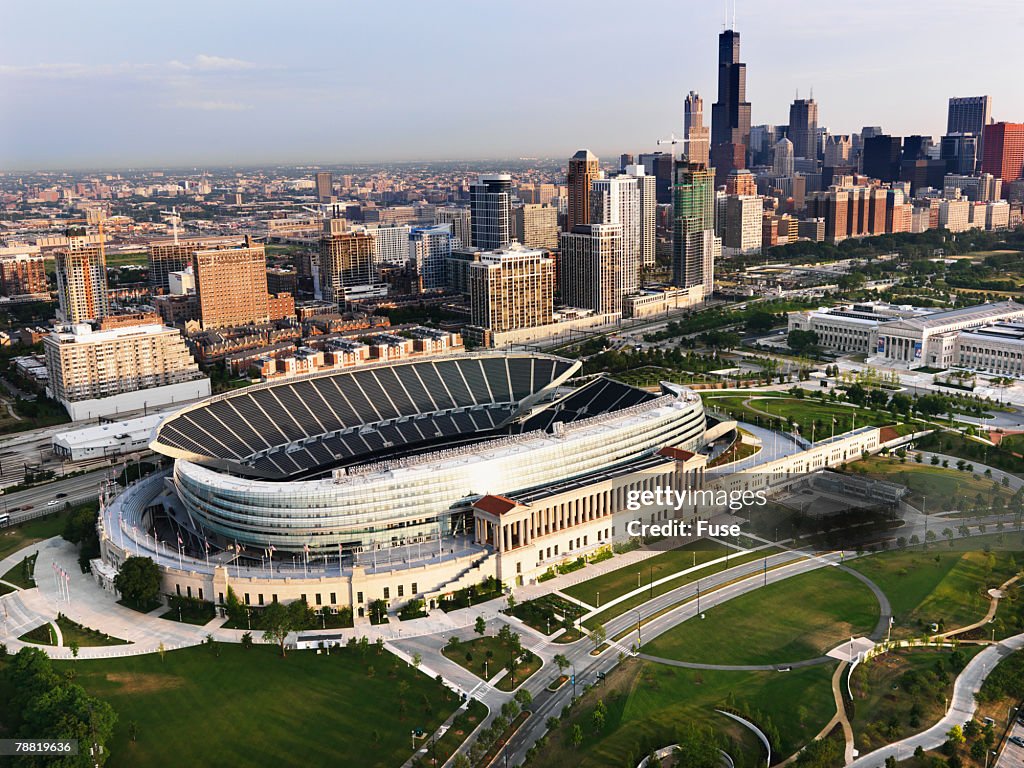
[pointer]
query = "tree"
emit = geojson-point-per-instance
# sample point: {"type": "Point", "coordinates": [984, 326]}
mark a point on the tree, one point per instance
{"type": "Point", "coordinates": [461, 761]}
{"type": "Point", "coordinates": [524, 697]}
{"type": "Point", "coordinates": [480, 626]}
{"type": "Point", "coordinates": [279, 621]}
{"type": "Point", "coordinates": [598, 635]}
{"type": "Point", "coordinates": [820, 753]}
{"type": "Point", "coordinates": [697, 747]}
{"type": "Point", "coordinates": [561, 662]}
{"type": "Point", "coordinates": [138, 581]}
{"type": "Point", "coordinates": [73, 645]}
{"type": "Point", "coordinates": [247, 640]}
{"type": "Point", "coordinates": [378, 610]}
{"type": "Point", "coordinates": [802, 342]}
{"type": "Point", "coordinates": [577, 735]}
{"type": "Point", "coordinates": [133, 730]}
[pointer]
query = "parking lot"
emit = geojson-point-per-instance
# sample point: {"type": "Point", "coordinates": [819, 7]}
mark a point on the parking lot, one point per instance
{"type": "Point", "coordinates": [1013, 749]}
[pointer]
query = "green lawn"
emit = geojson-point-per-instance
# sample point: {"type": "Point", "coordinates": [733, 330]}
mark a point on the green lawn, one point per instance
{"type": "Point", "coordinates": [638, 600]}
{"type": "Point", "coordinates": [23, 573]}
{"type": "Point", "coordinates": [933, 487]}
{"type": "Point", "coordinates": [124, 259]}
{"type": "Point", "coordinates": [624, 580]}
{"type": "Point", "coordinates": [472, 655]}
{"type": "Point", "coordinates": [84, 636]}
{"type": "Point", "coordinates": [41, 635]}
{"type": "Point", "coordinates": [938, 585]}
{"type": "Point", "coordinates": [648, 702]}
{"type": "Point", "coordinates": [253, 708]}
{"type": "Point", "coordinates": [20, 536]}
{"type": "Point", "coordinates": [795, 619]}
{"type": "Point", "coordinates": [810, 414]}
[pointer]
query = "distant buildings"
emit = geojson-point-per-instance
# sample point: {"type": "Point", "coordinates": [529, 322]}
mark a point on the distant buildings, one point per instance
{"type": "Point", "coordinates": [590, 267]}
{"type": "Point", "coordinates": [695, 246]}
{"type": "Point", "coordinates": [231, 286]}
{"type": "Point", "coordinates": [1003, 151]}
{"type": "Point", "coordinates": [167, 256]}
{"type": "Point", "coordinates": [429, 251]}
{"type": "Point", "coordinates": [22, 273]}
{"type": "Point", "coordinates": [98, 370]}
{"type": "Point", "coordinates": [459, 219]}
{"type": "Point", "coordinates": [697, 135]}
{"type": "Point", "coordinates": [583, 170]}
{"type": "Point", "coordinates": [324, 186]}
{"type": "Point", "coordinates": [346, 260]}
{"type": "Point", "coordinates": [730, 115]}
{"type": "Point", "coordinates": [881, 157]}
{"type": "Point", "coordinates": [81, 281]}
{"type": "Point", "coordinates": [803, 127]}
{"type": "Point", "coordinates": [742, 233]}
{"type": "Point", "coordinates": [969, 114]}
{"type": "Point", "coordinates": [783, 154]}
{"type": "Point", "coordinates": [536, 226]}
{"type": "Point", "coordinates": [490, 205]}
{"type": "Point", "coordinates": [511, 289]}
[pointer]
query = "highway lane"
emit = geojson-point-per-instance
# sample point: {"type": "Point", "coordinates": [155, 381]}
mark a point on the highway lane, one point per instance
{"type": "Point", "coordinates": [77, 489]}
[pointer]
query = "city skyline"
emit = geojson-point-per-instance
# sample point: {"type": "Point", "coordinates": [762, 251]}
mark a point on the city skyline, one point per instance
{"type": "Point", "coordinates": [187, 88]}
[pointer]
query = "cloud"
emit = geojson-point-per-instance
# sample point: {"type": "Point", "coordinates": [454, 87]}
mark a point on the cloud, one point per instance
{"type": "Point", "coordinates": [212, 105]}
{"type": "Point", "coordinates": [199, 64]}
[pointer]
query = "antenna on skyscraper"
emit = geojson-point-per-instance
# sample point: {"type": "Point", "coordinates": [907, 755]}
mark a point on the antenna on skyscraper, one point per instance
{"type": "Point", "coordinates": [734, 15]}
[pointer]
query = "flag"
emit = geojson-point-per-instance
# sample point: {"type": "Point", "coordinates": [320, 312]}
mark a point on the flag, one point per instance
{"type": "Point", "coordinates": [273, 548]}
{"type": "Point", "coordinates": [180, 542]}
{"type": "Point", "coordinates": [206, 545]}
{"type": "Point", "coordinates": [305, 548]}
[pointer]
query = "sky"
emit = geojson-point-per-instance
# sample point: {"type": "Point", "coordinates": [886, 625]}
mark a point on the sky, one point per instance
{"type": "Point", "coordinates": [116, 84]}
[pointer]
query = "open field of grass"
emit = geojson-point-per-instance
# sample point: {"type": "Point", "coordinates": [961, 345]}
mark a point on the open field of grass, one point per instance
{"type": "Point", "coordinates": [799, 618]}
{"type": "Point", "coordinates": [812, 417]}
{"type": "Point", "coordinates": [624, 580]}
{"type": "Point", "coordinates": [23, 573]}
{"type": "Point", "coordinates": [638, 600]}
{"type": "Point", "coordinates": [954, 444]}
{"type": "Point", "coordinates": [128, 257]}
{"type": "Point", "coordinates": [647, 703]}
{"type": "Point", "coordinates": [936, 488]}
{"type": "Point", "coordinates": [249, 707]}
{"type": "Point", "coordinates": [17, 537]}
{"type": "Point", "coordinates": [939, 585]}
{"type": "Point", "coordinates": [485, 656]}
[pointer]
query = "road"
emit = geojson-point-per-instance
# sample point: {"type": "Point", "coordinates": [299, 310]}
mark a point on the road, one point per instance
{"type": "Point", "coordinates": [79, 488]}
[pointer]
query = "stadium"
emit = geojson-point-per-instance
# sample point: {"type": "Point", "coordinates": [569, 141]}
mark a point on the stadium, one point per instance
{"type": "Point", "coordinates": [370, 470]}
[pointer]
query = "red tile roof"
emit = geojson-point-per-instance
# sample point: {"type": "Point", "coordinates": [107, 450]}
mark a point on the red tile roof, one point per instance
{"type": "Point", "coordinates": [676, 453]}
{"type": "Point", "coordinates": [496, 505]}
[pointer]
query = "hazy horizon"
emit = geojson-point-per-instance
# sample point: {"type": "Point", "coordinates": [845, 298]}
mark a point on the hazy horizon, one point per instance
{"type": "Point", "coordinates": [229, 84]}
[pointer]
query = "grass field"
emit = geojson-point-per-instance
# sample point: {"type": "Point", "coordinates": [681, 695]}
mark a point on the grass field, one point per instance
{"type": "Point", "coordinates": [253, 708]}
{"type": "Point", "coordinates": [23, 573]}
{"type": "Point", "coordinates": [19, 536]}
{"type": "Point", "coordinates": [935, 488]}
{"type": "Point", "coordinates": [41, 635]}
{"type": "Point", "coordinates": [648, 702]}
{"type": "Point", "coordinates": [638, 600]}
{"type": "Point", "coordinates": [124, 259]}
{"type": "Point", "coordinates": [624, 580]}
{"type": "Point", "coordinates": [938, 585]}
{"type": "Point", "coordinates": [473, 655]}
{"type": "Point", "coordinates": [799, 618]}
{"type": "Point", "coordinates": [811, 416]}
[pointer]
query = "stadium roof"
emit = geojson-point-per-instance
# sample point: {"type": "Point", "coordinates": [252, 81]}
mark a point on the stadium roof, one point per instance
{"type": "Point", "coordinates": [306, 425]}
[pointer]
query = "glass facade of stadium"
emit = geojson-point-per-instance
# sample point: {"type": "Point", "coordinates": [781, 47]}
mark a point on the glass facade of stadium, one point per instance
{"type": "Point", "coordinates": [407, 500]}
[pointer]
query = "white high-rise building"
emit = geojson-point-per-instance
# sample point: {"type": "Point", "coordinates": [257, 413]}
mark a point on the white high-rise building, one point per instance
{"type": "Point", "coordinates": [782, 157]}
{"type": "Point", "coordinates": [616, 200]}
{"type": "Point", "coordinates": [429, 250]}
{"type": "Point", "coordinates": [459, 219]}
{"type": "Point", "coordinates": [390, 244]}
{"type": "Point", "coordinates": [647, 185]}
{"type": "Point", "coordinates": [743, 224]}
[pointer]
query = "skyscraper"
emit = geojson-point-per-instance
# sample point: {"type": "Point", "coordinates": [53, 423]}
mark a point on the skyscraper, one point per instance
{"type": "Point", "coordinates": [583, 169]}
{"type": "Point", "coordinates": [490, 207]}
{"type": "Point", "coordinates": [460, 223]}
{"type": "Point", "coordinates": [960, 152]}
{"type": "Point", "coordinates": [166, 256]}
{"type": "Point", "coordinates": [616, 200]}
{"type": "Point", "coordinates": [324, 186]}
{"type": "Point", "coordinates": [231, 286]}
{"type": "Point", "coordinates": [1003, 151]}
{"type": "Point", "coordinates": [511, 288]}
{"type": "Point", "coordinates": [81, 279]}
{"type": "Point", "coordinates": [647, 185]}
{"type": "Point", "coordinates": [346, 259]}
{"type": "Point", "coordinates": [625, 159]}
{"type": "Point", "coordinates": [590, 267]}
{"type": "Point", "coordinates": [782, 157]}
{"type": "Point", "coordinates": [22, 272]}
{"type": "Point", "coordinates": [429, 251]}
{"type": "Point", "coordinates": [659, 165]}
{"type": "Point", "coordinates": [880, 158]}
{"type": "Point", "coordinates": [536, 225]}
{"type": "Point", "coordinates": [730, 115]}
{"type": "Point", "coordinates": [697, 135]}
{"type": "Point", "coordinates": [695, 245]}
{"type": "Point", "coordinates": [969, 114]}
{"type": "Point", "coordinates": [803, 127]}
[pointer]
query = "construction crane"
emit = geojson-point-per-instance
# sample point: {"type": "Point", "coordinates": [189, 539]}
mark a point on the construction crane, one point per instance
{"type": "Point", "coordinates": [673, 140]}
{"type": "Point", "coordinates": [175, 220]}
